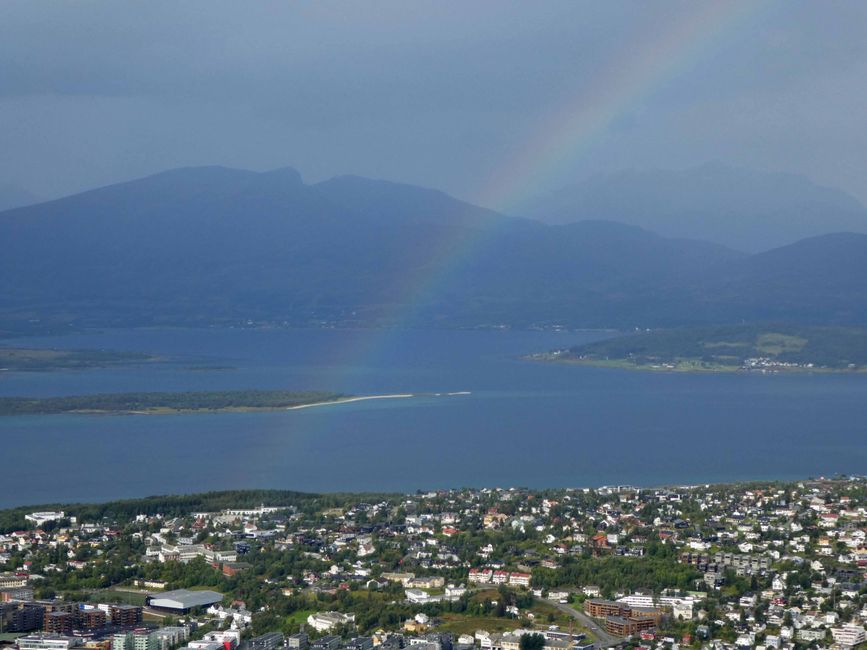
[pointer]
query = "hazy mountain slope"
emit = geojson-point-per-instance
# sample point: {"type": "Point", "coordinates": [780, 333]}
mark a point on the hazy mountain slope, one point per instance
{"type": "Point", "coordinates": [592, 274]}
{"type": "Point", "coordinates": [207, 245]}
{"type": "Point", "coordinates": [199, 244]}
{"type": "Point", "coordinates": [746, 210]}
{"type": "Point", "coordinates": [389, 201]}
{"type": "Point", "coordinates": [819, 279]}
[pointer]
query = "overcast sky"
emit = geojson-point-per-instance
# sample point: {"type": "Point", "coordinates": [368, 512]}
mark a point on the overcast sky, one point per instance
{"type": "Point", "coordinates": [444, 94]}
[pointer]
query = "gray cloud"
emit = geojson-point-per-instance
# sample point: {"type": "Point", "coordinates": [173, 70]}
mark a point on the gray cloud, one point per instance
{"type": "Point", "coordinates": [435, 93]}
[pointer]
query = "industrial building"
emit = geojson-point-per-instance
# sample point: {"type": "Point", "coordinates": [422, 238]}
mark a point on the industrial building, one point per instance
{"type": "Point", "coordinates": [183, 600]}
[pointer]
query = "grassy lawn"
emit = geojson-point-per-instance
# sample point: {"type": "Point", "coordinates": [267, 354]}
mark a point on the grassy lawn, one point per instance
{"type": "Point", "coordinates": [542, 610]}
{"type": "Point", "coordinates": [118, 597]}
{"type": "Point", "coordinates": [300, 616]}
{"type": "Point", "coordinates": [461, 624]}
{"type": "Point", "coordinates": [485, 595]}
{"type": "Point", "coordinates": [468, 624]}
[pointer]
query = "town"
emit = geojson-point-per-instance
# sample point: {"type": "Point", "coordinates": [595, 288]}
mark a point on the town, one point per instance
{"type": "Point", "coordinates": [758, 565]}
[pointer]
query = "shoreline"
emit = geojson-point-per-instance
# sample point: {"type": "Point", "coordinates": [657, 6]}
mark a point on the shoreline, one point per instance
{"type": "Point", "coordinates": [347, 400]}
{"type": "Point", "coordinates": [622, 364]}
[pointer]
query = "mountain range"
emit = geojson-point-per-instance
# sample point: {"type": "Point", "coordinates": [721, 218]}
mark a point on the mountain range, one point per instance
{"type": "Point", "coordinates": [745, 209]}
{"type": "Point", "coordinates": [213, 245]}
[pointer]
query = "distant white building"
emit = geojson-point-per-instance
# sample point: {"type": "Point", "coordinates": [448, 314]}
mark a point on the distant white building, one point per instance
{"type": "Point", "coordinates": [47, 642]}
{"type": "Point", "coordinates": [325, 621]}
{"type": "Point", "coordinates": [251, 512]}
{"type": "Point", "coordinates": [638, 600]}
{"type": "Point", "coordinates": [417, 596]}
{"type": "Point", "coordinates": [232, 636]}
{"type": "Point", "coordinates": [682, 608]}
{"type": "Point", "coordinates": [42, 518]}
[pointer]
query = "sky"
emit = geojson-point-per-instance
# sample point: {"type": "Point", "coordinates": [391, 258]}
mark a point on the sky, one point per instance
{"type": "Point", "coordinates": [490, 101]}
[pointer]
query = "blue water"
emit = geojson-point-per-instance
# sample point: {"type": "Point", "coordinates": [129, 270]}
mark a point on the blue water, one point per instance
{"type": "Point", "coordinates": [525, 423]}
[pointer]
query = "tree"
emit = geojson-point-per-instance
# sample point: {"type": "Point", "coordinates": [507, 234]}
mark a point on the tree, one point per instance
{"type": "Point", "coordinates": [532, 642]}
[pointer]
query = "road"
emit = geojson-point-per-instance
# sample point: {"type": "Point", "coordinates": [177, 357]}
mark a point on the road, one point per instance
{"type": "Point", "coordinates": [605, 640]}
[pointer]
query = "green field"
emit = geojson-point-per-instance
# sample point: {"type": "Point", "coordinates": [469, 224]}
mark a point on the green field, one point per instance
{"type": "Point", "coordinates": [300, 616]}
{"type": "Point", "coordinates": [118, 597]}
{"type": "Point", "coordinates": [461, 624]}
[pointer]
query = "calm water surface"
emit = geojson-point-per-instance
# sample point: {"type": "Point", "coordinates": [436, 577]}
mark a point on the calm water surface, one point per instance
{"type": "Point", "coordinates": [525, 423]}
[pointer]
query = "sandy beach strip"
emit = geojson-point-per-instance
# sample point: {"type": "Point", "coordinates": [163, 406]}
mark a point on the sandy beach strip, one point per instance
{"type": "Point", "coordinates": [351, 399]}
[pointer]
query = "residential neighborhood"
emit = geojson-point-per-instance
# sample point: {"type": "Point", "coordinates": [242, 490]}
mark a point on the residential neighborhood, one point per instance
{"type": "Point", "coordinates": [774, 565]}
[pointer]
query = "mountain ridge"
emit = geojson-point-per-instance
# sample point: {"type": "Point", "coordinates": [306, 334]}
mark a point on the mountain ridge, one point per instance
{"type": "Point", "coordinates": [214, 244]}
{"type": "Point", "coordinates": [742, 209]}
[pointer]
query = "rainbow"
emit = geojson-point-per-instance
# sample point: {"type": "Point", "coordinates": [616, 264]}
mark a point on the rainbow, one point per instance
{"type": "Point", "coordinates": [644, 68]}
{"type": "Point", "coordinates": [696, 33]}
{"type": "Point", "coordinates": [562, 138]}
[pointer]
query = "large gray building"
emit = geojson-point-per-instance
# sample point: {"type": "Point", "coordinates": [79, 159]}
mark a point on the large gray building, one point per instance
{"type": "Point", "coordinates": [183, 600]}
